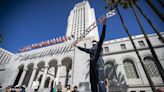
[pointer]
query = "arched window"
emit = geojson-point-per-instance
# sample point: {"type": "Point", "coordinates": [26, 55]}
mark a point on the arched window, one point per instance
{"type": "Point", "coordinates": [28, 74]}
{"type": "Point", "coordinates": [151, 67]}
{"type": "Point", "coordinates": [19, 75]}
{"type": "Point", "coordinates": [130, 69]}
{"type": "Point", "coordinates": [110, 72]}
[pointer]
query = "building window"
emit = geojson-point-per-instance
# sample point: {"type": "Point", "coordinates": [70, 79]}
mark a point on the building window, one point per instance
{"type": "Point", "coordinates": [151, 67]}
{"type": "Point", "coordinates": [141, 43]}
{"type": "Point", "coordinates": [85, 45]}
{"type": "Point", "coordinates": [106, 49]}
{"type": "Point", "coordinates": [130, 69]}
{"type": "Point", "coordinates": [123, 47]}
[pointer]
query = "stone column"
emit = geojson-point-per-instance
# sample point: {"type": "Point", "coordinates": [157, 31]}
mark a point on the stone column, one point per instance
{"type": "Point", "coordinates": [22, 76]}
{"type": "Point", "coordinates": [32, 76]}
{"type": "Point", "coordinates": [49, 85]}
{"type": "Point", "coordinates": [58, 72]}
{"type": "Point", "coordinates": [44, 77]}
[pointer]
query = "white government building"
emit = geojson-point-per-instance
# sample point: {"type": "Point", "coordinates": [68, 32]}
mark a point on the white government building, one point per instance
{"type": "Point", "coordinates": [71, 66]}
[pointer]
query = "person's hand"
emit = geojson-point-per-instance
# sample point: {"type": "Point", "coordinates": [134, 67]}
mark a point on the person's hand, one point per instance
{"type": "Point", "coordinates": [104, 20]}
{"type": "Point", "coordinates": [74, 44]}
{"type": "Point", "coordinates": [106, 82]}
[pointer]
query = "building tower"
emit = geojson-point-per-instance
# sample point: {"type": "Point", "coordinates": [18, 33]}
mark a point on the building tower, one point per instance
{"type": "Point", "coordinates": [80, 18]}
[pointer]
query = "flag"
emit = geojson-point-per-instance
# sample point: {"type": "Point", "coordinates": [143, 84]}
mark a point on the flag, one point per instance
{"type": "Point", "coordinates": [48, 42]}
{"type": "Point", "coordinates": [43, 43]}
{"type": "Point", "coordinates": [23, 49]}
{"type": "Point", "coordinates": [57, 40]}
{"type": "Point", "coordinates": [33, 46]}
{"type": "Point", "coordinates": [54, 40]}
{"type": "Point", "coordinates": [29, 47]}
{"type": "Point", "coordinates": [40, 44]}
{"type": "Point", "coordinates": [60, 39]}
{"type": "Point", "coordinates": [63, 39]}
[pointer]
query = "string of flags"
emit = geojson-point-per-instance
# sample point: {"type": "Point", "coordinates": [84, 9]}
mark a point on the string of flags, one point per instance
{"type": "Point", "coordinates": [46, 43]}
{"type": "Point", "coordinates": [65, 38]}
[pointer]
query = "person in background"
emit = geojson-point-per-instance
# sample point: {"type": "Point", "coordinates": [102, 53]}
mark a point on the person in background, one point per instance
{"type": "Point", "coordinates": [68, 88]}
{"type": "Point", "coordinates": [59, 87]}
{"type": "Point", "coordinates": [75, 89]}
{"type": "Point", "coordinates": [8, 88]}
{"type": "Point", "coordinates": [16, 89]}
{"type": "Point", "coordinates": [23, 88]}
{"type": "Point", "coordinates": [52, 84]}
{"type": "Point", "coordinates": [107, 85]}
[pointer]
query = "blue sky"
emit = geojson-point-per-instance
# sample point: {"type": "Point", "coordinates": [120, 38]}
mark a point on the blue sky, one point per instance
{"type": "Point", "coordinates": [24, 22]}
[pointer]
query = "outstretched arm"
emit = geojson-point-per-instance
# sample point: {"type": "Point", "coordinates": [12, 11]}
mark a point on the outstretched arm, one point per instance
{"type": "Point", "coordinates": [101, 41]}
{"type": "Point", "coordinates": [83, 49]}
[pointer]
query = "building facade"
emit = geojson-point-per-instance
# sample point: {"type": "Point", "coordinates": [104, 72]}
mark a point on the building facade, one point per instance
{"type": "Point", "coordinates": [61, 62]}
{"type": "Point", "coordinates": [5, 56]}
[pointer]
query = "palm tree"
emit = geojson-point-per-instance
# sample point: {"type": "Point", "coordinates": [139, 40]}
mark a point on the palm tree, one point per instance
{"type": "Point", "coordinates": [149, 21]}
{"type": "Point", "coordinates": [113, 4]}
{"type": "Point", "coordinates": [159, 66]}
{"type": "Point", "coordinates": [115, 80]}
{"type": "Point", "coordinates": [1, 38]}
{"type": "Point", "coordinates": [162, 4]}
{"type": "Point", "coordinates": [160, 15]}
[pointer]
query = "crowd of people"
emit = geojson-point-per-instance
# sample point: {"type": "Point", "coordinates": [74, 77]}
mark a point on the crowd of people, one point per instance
{"type": "Point", "coordinates": [15, 89]}
{"type": "Point", "coordinates": [59, 88]}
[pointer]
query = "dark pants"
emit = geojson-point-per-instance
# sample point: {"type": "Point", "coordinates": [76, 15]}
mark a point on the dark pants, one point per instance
{"type": "Point", "coordinates": [102, 87]}
{"type": "Point", "coordinates": [93, 78]}
{"type": "Point", "coordinates": [52, 90]}
{"type": "Point", "coordinates": [101, 78]}
{"type": "Point", "coordinates": [94, 87]}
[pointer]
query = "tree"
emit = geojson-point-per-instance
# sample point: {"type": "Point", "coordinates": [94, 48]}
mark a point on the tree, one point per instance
{"type": "Point", "coordinates": [113, 4]}
{"type": "Point", "coordinates": [160, 15]}
{"type": "Point", "coordinates": [149, 21]}
{"type": "Point", "coordinates": [1, 38]}
{"type": "Point", "coordinates": [116, 81]}
{"type": "Point", "coordinates": [162, 4]}
{"type": "Point", "coordinates": [159, 66]}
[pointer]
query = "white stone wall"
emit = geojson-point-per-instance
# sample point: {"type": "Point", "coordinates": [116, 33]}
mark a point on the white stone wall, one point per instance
{"type": "Point", "coordinates": [5, 56]}
{"type": "Point", "coordinates": [80, 61]}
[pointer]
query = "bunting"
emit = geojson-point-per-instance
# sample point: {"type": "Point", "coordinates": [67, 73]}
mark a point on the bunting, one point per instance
{"type": "Point", "coordinates": [46, 43]}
